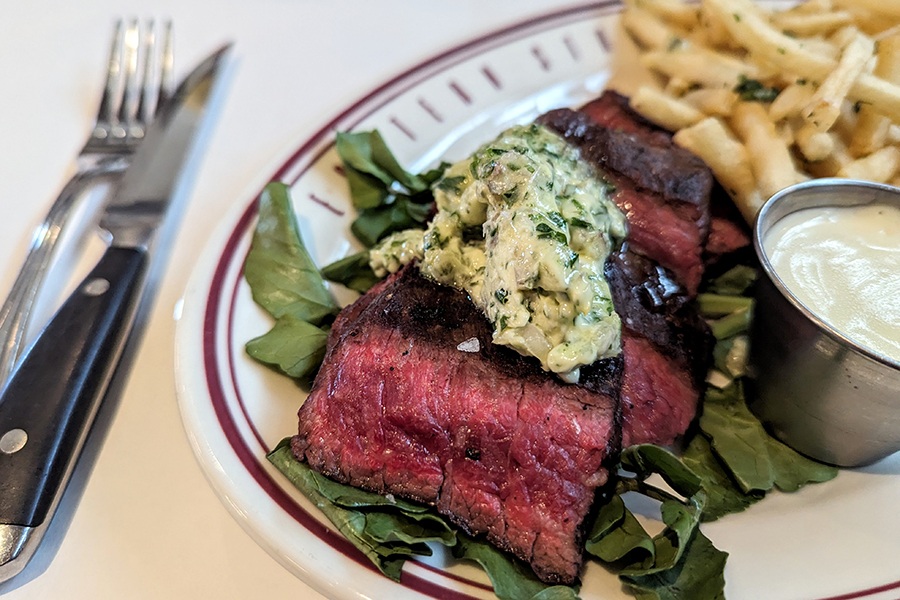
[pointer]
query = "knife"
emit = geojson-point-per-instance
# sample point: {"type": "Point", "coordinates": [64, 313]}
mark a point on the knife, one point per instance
{"type": "Point", "coordinates": [50, 402]}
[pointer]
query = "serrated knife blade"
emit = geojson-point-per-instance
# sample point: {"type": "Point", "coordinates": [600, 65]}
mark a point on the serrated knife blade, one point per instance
{"type": "Point", "coordinates": [50, 401]}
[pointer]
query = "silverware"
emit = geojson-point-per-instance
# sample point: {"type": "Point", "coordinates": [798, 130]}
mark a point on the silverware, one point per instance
{"type": "Point", "coordinates": [52, 397]}
{"type": "Point", "coordinates": [138, 81]}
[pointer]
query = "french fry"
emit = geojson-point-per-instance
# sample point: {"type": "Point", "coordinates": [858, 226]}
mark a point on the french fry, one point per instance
{"type": "Point", "coordinates": [790, 101]}
{"type": "Point", "coordinates": [886, 33]}
{"type": "Point", "coordinates": [843, 36]}
{"type": "Point", "coordinates": [880, 166]}
{"type": "Point", "coordinates": [712, 102]}
{"type": "Point", "coordinates": [786, 133]}
{"type": "Point", "coordinates": [712, 32]}
{"type": "Point", "coordinates": [664, 110]}
{"type": "Point", "coordinates": [810, 24]}
{"type": "Point", "coordinates": [711, 141]}
{"type": "Point", "coordinates": [676, 86]}
{"type": "Point", "coordinates": [811, 7]}
{"type": "Point", "coordinates": [823, 48]}
{"type": "Point", "coordinates": [846, 121]}
{"type": "Point", "coordinates": [871, 128]}
{"type": "Point", "coordinates": [813, 144]}
{"type": "Point", "coordinates": [673, 11]}
{"type": "Point", "coordinates": [834, 162]}
{"type": "Point", "coordinates": [755, 34]}
{"type": "Point", "coordinates": [834, 64]}
{"type": "Point", "coordinates": [825, 106]}
{"type": "Point", "coordinates": [700, 66]}
{"type": "Point", "coordinates": [886, 8]}
{"type": "Point", "coordinates": [893, 136]}
{"type": "Point", "coordinates": [648, 30]}
{"type": "Point", "coordinates": [769, 156]}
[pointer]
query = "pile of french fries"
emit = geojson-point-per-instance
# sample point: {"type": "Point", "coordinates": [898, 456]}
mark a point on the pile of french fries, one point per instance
{"type": "Point", "coordinates": [771, 97]}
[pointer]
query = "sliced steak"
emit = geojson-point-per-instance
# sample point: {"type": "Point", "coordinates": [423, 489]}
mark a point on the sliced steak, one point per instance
{"type": "Point", "coordinates": [662, 189]}
{"type": "Point", "coordinates": [611, 110]}
{"type": "Point", "coordinates": [413, 399]}
{"type": "Point", "coordinates": [495, 443]}
{"type": "Point", "coordinates": [666, 347]}
{"type": "Point", "coordinates": [648, 156]}
{"type": "Point", "coordinates": [730, 239]}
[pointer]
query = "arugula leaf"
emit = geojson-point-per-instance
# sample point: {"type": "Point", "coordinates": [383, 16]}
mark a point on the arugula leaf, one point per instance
{"type": "Point", "coordinates": [617, 534]}
{"type": "Point", "coordinates": [375, 223]}
{"type": "Point", "coordinates": [353, 271]}
{"type": "Point", "coordinates": [793, 470]}
{"type": "Point", "coordinates": [646, 459]}
{"type": "Point", "coordinates": [365, 153]}
{"type": "Point", "coordinates": [387, 536]}
{"type": "Point", "coordinates": [717, 305]}
{"type": "Point", "coordinates": [292, 346]}
{"type": "Point", "coordinates": [698, 575]}
{"type": "Point", "coordinates": [677, 563]}
{"type": "Point", "coordinates": [733, 282]}
{"type": "Point", "coordinates": [387, 197]}
{"type": "Point", "coordinates": [282, 276]}
{"type": "Point", "coordinates": [723, 496]}
{"type": "Point", "coordinates": [732, 324]}
{"type": "Point", "coordinates": [681, 518]}
{"type": "Point", "coordinates": [757, 461]}
{"type": "Point", "coordinates": [512, 579]}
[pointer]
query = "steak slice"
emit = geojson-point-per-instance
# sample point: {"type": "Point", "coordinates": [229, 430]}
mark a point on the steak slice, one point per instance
{"type": "Point", "coordinates": [727, 232]}
{"type": "Point", "coordinates": [666, 347]}
{"type": "Point", "coordinates": [498, 445]}
{"type": "Point", "coordinates": [662, 189]}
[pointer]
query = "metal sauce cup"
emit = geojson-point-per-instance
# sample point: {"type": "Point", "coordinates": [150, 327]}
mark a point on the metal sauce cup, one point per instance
{"type": "Point", "coordinates": [816, 389]}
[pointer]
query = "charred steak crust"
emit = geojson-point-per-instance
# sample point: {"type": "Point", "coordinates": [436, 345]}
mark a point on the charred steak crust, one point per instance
{"type": "Point", "coordinates": [654, 306]}
{"type": "Point", "coordinates": [647, 154]}
{"type": "Point", "coordinates": [497, 445]}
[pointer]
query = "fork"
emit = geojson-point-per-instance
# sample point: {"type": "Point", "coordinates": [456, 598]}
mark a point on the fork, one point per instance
{"type": "Point", "coordinates": [139, 79]}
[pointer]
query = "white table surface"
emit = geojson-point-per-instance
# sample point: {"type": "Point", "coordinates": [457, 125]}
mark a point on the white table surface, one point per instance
{"type": "Point", "coordinates": [140, 520]}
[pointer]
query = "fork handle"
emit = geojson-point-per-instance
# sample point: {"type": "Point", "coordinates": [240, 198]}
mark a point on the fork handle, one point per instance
{"type": "Point", "coordinates": [51, 400]}
{"type": "Point", "coordinates": [16, 310]}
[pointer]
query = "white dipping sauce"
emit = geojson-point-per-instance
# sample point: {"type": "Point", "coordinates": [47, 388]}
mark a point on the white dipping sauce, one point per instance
{"type": "Point", "coordinates": [843, 263]}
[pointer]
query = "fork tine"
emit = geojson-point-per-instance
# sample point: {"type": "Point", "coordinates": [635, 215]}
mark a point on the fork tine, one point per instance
{"type": "Point", "coordinates": [109, 103]}
{"type": "Point", "coordinates": [149, 84]}
{"type": "Point", "coordinates": [131, 92]}
{"type": "Point", "coordinates": [167, 76]}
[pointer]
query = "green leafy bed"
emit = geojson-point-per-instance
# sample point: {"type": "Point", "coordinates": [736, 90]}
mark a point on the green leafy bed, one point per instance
{"type": "Point", "coordinates": [728, 463]}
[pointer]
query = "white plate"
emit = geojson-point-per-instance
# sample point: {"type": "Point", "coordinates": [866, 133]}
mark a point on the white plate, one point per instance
{"type": "Point", "coordinates": [837, 540]}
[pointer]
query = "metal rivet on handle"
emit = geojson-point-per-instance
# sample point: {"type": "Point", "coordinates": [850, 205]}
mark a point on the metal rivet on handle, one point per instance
{"type": "Point", "coordinates": [13, 441]}
{"type": "Point", "coordinates": [95, 287]}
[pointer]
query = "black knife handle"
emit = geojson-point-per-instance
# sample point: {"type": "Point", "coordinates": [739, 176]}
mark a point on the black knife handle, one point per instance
{"type": "Point", "coordinates": [54, 394]}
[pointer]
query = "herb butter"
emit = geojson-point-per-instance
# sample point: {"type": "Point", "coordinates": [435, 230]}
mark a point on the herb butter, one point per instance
{"type": "Point", "coordinates": [396, 250]}
{"type": "Point", "coordinates": [525, 227]}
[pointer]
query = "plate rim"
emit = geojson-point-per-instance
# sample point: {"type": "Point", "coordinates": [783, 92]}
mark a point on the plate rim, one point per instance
{"type": "Point", "coordinates": [233, 230]}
